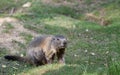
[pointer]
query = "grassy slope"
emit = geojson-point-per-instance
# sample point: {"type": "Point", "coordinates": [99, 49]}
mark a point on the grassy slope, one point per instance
{"type": "Point", "coordinates": [90, 48]}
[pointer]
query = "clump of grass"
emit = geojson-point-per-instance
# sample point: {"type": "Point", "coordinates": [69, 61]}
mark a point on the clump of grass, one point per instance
{"type": "Point", "coordinates": [8, 27]}
{"type": "Point", "coordinates": [20, 45]}
{"type": "Point", "coordinates": [114, 68]}
{"type": "Point", "coordinates": [3, 51]}
{"type": "Point", "coordinates": [27, 37]}
{"type": "Point", "coordinates": [7, 5]}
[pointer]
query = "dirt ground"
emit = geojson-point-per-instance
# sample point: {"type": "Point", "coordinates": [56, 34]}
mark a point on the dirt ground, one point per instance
{"type": "Point", "coordinates": [7, 39]}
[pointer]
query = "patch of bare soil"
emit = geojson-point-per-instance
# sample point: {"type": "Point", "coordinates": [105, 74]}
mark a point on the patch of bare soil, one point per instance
{"type": "Point", "coordinates": [8, 39]}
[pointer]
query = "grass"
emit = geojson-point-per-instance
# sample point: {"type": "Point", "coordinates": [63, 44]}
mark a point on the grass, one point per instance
{"type": "Point", "coordinates": [114, 68]}
{"type": "Point", "coordinates": [92, 49]}
{"type": "Point", "coordinates": [6, 6]}
{"type": "Point", "coordinates": [27, 37]}
{"type": "Point", "coordinates": [8, 28]}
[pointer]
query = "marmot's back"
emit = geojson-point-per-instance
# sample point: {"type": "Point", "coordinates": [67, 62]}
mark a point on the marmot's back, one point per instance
{"type": "Point", "coordinates": [39, 40]}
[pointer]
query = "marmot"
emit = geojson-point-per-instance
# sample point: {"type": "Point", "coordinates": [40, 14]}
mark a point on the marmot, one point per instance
{"type": "Point", "coordinates": [43, 49]}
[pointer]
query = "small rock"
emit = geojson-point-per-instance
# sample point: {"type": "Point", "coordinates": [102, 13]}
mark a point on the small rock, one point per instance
{"type": "Point", "coordinates": [21, 55]}
{"type": "Point", "coordinates": [106, 52]}
{"type": "Point", "coordinates": [75, 55]}
{"type": "Point", "coordinates": [4, 66]}
{"type": "Point", "coordinates": [86, 51]}
{"type": "Point", "coordinates": [26, 5]}
{"type": "Point", "coordinates": [92, 53]}
{"type": "Point", "coordinates": [17, 64]}
{"type": "Point", "coordinates": [86, 30]}
{"type": "Point", "coordinates": [14, 68]}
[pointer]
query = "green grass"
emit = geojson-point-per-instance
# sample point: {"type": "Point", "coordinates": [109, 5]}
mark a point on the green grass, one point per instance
{"type": "Point", "coordinates": [27, 37]}
{"type": "Point", "coordinates": [89, 48]}
{"type": "Point", "coordinates": [8, 28]}
{"type": "Point", "coordinates": [114, 68]}
{"type": "Point", "coordinates": [7, 5]}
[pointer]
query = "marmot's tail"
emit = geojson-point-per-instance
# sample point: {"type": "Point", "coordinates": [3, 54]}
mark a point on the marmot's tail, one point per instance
{"type": "Point", "coordinates": [15, 58]}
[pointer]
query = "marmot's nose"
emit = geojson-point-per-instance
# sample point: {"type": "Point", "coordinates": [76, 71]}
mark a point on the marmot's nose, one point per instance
{"type": "Point", "coordinates": [63, 45]}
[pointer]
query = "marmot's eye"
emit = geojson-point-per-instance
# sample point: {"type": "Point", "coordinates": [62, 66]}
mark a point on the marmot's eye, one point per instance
{"type": "Point", "coordinates": [53, 38]}
{"type": "Point", "coordinates": [58, 39]}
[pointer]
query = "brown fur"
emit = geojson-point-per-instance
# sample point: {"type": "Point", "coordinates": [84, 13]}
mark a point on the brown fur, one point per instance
{"type": "Point", "coordinates": [42, 50]}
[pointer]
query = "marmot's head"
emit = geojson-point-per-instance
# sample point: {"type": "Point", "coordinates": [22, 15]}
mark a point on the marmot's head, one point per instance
{"type": "Point", "coordinates": [60, 42]}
